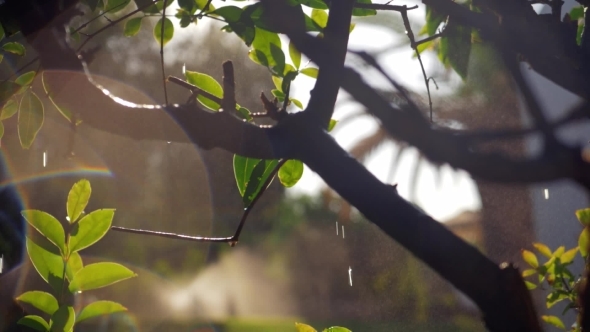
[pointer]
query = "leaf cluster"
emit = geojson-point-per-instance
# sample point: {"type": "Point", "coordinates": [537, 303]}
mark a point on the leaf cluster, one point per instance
{"type": "Point", "coordinates": [54, 251]}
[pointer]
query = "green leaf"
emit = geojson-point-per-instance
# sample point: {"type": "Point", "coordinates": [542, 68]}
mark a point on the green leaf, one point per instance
{"type": "Point", "coordinates": [78, 199]}
{"type": "Point", "coordinates": [9, 109]}
{"type": "Point", "coordinates": [113, 6]}
{"type": "Point", "coordinates": [559, 251]}
{"type": "Point", "coordinates": [63, 319]}
{"type": "Point", "coordinates": [132, 27]}
{"type": "Point", "coordinates": [99, 308]}
{"type": "Point", "coordinates": [243, 167]}
{"type": "Point", "coordinates": [35, 322]}
{"type": "Point", "coordinates": [47, 261]}
{"type": "Point", "coordinates": [543, 249]}
{"type": "Point", "coordinates": [262, 45]}
{"type": "Point", "coordinates": [318, 4]}
{"type": "Point", "coordinates": [260, 173]}
{"type": "Point", "coordinates": [530, 258]}
{"type": "Point", "coordinates": [30, 118]}
{"type": "Point", "coordinates": [1, 57]}
{"type": "Point", "coordinates": [529, 285]}
{"type": "Point", "coordinates": [205, 83]}
{"type": "Point", "coordinates": [584, 242]}
{"type": "Point", "coordinates": [99, 275]}
{"type": "Point", "coordinates": [290, 172]}
{"type": "Point", "coordinates": [14, 48]}
{"type": "Point", "coordinates": [48, 226]}
{"type": "Point", "coordinates": [239, 21]}
{"type": "Point", "coordinates": [278, 57]}
{"type": "Point", "coordinates": [569, 256]}
{"type": "Point", "coordinates": [2, 33]}
{"type": "Point", "coordinates": [244, 113]}
{"type": "Point", "coordinates": [74, 265]}
{"type": "Point", "coordinates": [26, 78]}
{"type": "Point", "coordinates": [296, 102]}
{"type": "Point", "coordinates": [332, 124]}
{"type": "Point", "coordinates": [553, 321]}
{"type": "Point", "coordinates": [555, 297]}
{"type": "Point", "coordinates": [455, 47]}
{"type": "Point", "coordinates": [363, 12]}
{"type": "Point", "coordinates": [583, 216]}
{"type": "Point", "coordinates": [164, 38]}
{"type": "Point", "coordinates": [1, 132]}
{"type": "Point", "coordinates": [304, 328]}
{"type": "Point", "coordinates": [40, 300]}
{"type": "Point", "coordinates": [433, 21]}
{"type": "Point", "coordinates": [90, 229]}
{"type": "Point", "coordinates": [528, 273]}
{"type": "Point", "coordinates": [295, 55]}
{"type": "Point", "coordinates": [577, 13]}
{"type": "Point", "coordinates": [579, 34]}
{"type": "Point", "coordinates": [320, 17]}
{"type": "Point", "coordinates": [189, 5]}
{"type": "Point", "coordinates": [310, 71]}
{"type": "Point", "coordinates": [337, 329]}
{"type": "Point", "coordinates": [278, 93]}
{"type": "Point", "coordinates": [7, 90]}
{"type": "Point", "coordinates": [278, 82]}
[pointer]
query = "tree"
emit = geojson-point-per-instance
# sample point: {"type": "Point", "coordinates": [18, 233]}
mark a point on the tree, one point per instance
{"type": "Point", "coordinates": [546, 43]}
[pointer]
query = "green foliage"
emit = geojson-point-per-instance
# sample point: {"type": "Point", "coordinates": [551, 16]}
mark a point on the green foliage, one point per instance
{"type": "Point", "coordinates": [306, 328]}
{"type": "Point", "coordinates": [31, 115]}
{"type": "Point", "coordinates": [53, 250]}
{"type": "Point", "coordinates": [208, 84]}
{"type": "Point", "coordinates": [554, 272]}
{"type": "Point", "coordinates": [290, 173]}
{"type": "Point", "coordinates": [132, 27]}
{"type": "Point", "coordinates": [163, 36]}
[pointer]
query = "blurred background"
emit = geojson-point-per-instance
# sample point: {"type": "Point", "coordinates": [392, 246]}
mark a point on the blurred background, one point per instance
{"type": "Point", "coordinates": [305, 255]}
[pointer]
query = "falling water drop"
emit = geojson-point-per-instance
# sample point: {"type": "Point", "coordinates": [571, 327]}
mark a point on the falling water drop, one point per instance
{"type": "Point", "coordinates": [546, 193]}
{"type": "Point", "coordinates": [168, 142]}
{"type": "Point", "coordinates": [336, 228]}
{"type": "Point", "coordinates": [343, 231]}
{"type": "Point", "coordinates": [1, 263]}
{"type": "Point", "coordinates": [350, 276]}
{"type": "Point", "coordinates": [44, 158]}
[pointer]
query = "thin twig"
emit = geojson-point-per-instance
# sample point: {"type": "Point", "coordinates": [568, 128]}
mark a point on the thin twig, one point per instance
{"type": "Point", "coordinates": [97, 17]}
{"type": "Point", "coordinates": [162, 52]}
{"type": "Point", "coordinates": [19, 70]}
{"type": "Point", "coordinates": [379, 6]}
{"type": "Point", "coordinates": [194, 89]}
{"type": "Point", "coordinates": [414, 46]}
{"type": "Point", "coordinates": [113, 23]}
{"type": "Point", "coordinates": [205, 8]}
{"type": "Point", "coordinates": [232, 240]}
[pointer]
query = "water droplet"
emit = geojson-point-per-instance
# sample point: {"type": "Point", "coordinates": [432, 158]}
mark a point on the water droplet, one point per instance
{"type": "Point", "coordinates": [336, 228]}
{"type": "Point", "coordinates": [546, 193]}
{"type": "Point", "coordinates": [68, 218]}
{"type": "Point", "coordinates": [168, 142]}
{"type": "Point", "coordinates": [1, 263]}
{"type": "Point", "coordinates": [350, 275]}
{"type": "Point", "coordinates": [232, 243]}
{"type": "Point", "coordinates": [343, 231]}
{"type": "Point", "coordinates": [44, 158]}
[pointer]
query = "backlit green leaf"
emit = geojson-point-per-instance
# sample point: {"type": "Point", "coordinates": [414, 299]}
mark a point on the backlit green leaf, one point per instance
{"type": "Point", "coordinates": [35, 322]}
{"type": "Point", "coordinates": [433, 21]}
{"type": "Point", "coordinates": [132, 27]}
{"type": "Point", "coordinates": [290, 172]}
{"type": "Point", "coordinates": [569, 256]}
{"type": "Point", "coordinates": [206, 83]}
{"type": "Point", "coordinates": [113, 6]}
{"type": "Point", "coordinates": [260, 173]}
{"type": "Point", "coordinates": [91, 228]}
{"type": "Point", "coordinates": [583, 216]}
{"type": "Point", "coordinates": [78, 199]}
{"type": "Point", "coordinates": [319, 4]}
{"type": "Point", "coordinates": [63, 111]}
{"type": "Point", "coordinates": [584, 242]}
{"type": "Point", "coordinates": [48, 226]}
{"type": "Point", "coordinates": [278, 57]}
{"type": "Point", "coordinates": [553, 320]}
{"type": "Point", "coordinates": [295, 55]}
{"type": "Point", "coordinates": [332, 124]}
{"type": "Point", "coordinates": [304, 328]}
{"type": "Point", "coordinates": [529, 285]}
{"type": "Point", "coordinates": [262, 43]}
{"type": "Point", "coordinates": [543, 249]}
{"type": "Point", "coordinates": [528, 273]}
{"type": "Point", "coordinates": [26, 78]}
{"type": "Point", "coordinates": [577, 13]}
{"type": "Point", "coordinates": [14, 48]}
{"type": "Point", "coordinates": [99, 275]}
{"type": "Point", "coordinates": [363, 12]}
{"type": "Point", "coordinates": [30, 118]}
{"type": "Point", "coordinates": [297, 103]}
{"type": "Point", "coordinates": [99, 308]}
{"type": "Point", "coordinates": [455, 47]}
{"type": "Point", "coordinates": [530, 258]}
{"type": "Point", "coordinates": [2, 33]}
{"type": "Point", "coordinates": [40, 300]}
{"type": "Point", "coordinates": [320, 17]}
{"type": "Point", "coordinates": [7, 90]}
{"type": "Point", "coordinates": [337, 329]}
{"type": "Point", "coordinates": [47, 261]}
{"type": "Point", "coordinates": [243, 167]}
{"type": "Point", "coordinates": [63, 319]}
{"type": "Point", "coordinates": [9, 109]}
{"type": "Point", "coordinates": [310, 71]}
{"type": "Point", "coordinates": [74, 265]}
{"type": "Point", "coordinates": [559, 251]}
{"type": "Point", "coordinates": [163, 38]}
